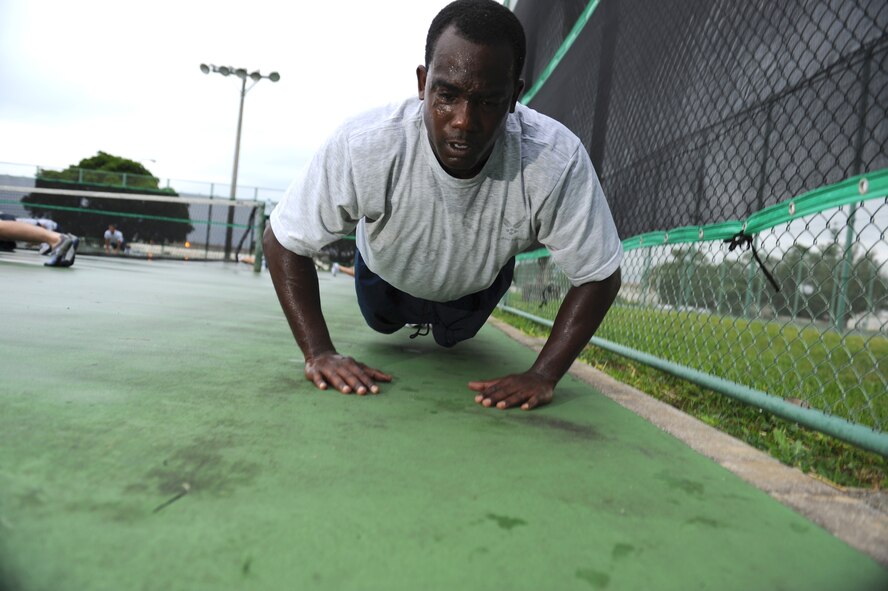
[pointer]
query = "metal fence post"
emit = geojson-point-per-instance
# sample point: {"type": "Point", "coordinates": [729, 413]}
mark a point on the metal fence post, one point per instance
{"type": "Point", "coordinates": [646, 277]}
{"type": "Point", "coordinates": [798, 289]}
{"type": "Point", "coordinates": [842, 298]}
{"type": "Point", "coordinates": [686, 275]}
{"type": "Point", "coordinates": [209, 223]}
{"type": "Point", "coordinates": [750, 288]}
{"type": "Point", "coordinates": [845, 277]}
{"type": "Point", "coordinates": [260, 230]}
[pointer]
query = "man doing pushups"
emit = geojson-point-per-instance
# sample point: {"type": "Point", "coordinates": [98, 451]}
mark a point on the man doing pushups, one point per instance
{"type": "Point", "coordinates": [442, 191]}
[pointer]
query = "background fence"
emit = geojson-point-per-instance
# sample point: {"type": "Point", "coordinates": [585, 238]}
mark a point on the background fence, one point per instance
{"type": "Point", "coordinates": [154, 224]}
{"type": "Point", "coordinates": [726, 131]}
{"type": "Point", "coordinates": [13, 174]}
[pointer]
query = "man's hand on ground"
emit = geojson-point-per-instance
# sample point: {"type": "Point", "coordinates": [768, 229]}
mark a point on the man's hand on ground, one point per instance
{"type": "Point", "coordinates": [344, 374]}
{"type": "Point", "coordinates": [527, 390]}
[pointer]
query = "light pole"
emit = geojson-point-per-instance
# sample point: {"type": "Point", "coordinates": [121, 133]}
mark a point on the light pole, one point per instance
{"type": "Point", "coordinates": [255, 76]}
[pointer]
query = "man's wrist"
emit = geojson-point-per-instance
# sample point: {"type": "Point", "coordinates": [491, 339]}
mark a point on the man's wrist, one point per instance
{"type": "Point", "coordinates": [314, 353]}
{"type": "Point", "coordinates": [545, 375]}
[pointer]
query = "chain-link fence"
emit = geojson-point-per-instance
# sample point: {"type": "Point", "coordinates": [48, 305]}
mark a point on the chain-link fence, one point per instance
{"type": "Point", "coordinates": [154, 225]}
{"type": "Point", "coordinates": [820, 342]}
{"type": "Point", "coordinates": [12, 173]}
{"type": "Point", "coordinates": [743, 148]}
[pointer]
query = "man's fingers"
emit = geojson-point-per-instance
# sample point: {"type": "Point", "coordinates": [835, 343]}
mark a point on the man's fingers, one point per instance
{"type": "Point", "coordinates": [355, 381]}
{"type": "Point", "coordinates": [514, 400]}
{"type": "Point", "coordinates": [531, 404]}
{"type": "Point", "coordinates": [519, 390]}
{"type": "Point", "coordinates": [323, 381]}
{"type": "Point", "coordinates": [481, 385]}
{"type": "Point", "coordinates": [348, 377]}
{"type": "Point", "coordinates": [496, 393]}
{"type": "Point", "coordinates": [378, 375]}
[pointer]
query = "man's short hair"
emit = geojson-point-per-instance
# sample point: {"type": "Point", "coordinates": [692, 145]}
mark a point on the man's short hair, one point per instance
{"type": "Point", "coordinates": [480, 21]}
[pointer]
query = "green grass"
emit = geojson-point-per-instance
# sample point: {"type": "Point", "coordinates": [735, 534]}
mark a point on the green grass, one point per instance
{"type": "Point", "coordinates": [843, 375]}
{"type": "Point", "coordinates": [792, 444]}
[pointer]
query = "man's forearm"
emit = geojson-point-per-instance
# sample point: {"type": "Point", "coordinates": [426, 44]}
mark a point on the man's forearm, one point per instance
{"type": "Point", "coordinates": [579, 316]}
{"type": "Point", "coordinates": [296, 283]}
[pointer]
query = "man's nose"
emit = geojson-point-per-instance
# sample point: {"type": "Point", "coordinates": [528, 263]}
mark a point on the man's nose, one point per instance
{"type": "Point", "coordinates": [464, 116]}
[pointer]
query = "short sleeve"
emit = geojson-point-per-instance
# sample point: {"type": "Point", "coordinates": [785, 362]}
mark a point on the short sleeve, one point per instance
{"type": "Point", "coordinates": [322, 207]}
{"type": "Point", "coordinates": [576, 225]}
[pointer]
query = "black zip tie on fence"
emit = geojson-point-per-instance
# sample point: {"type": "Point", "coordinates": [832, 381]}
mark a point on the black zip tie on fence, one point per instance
{"type": "Point", "coordinates": [741, 239]}
{"type": "Point", "coordinates": [547, 291]}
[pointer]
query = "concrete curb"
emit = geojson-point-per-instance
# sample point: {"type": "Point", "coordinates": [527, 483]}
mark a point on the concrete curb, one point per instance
{"type": "Point", "coordinates": [858, 517]}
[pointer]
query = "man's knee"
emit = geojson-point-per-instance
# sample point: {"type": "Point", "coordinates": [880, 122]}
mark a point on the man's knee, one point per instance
{"type": "Point", "coordinates": [382, 325]}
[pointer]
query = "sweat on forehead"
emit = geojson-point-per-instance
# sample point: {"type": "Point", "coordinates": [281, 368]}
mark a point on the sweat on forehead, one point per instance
{"type": "Point", "coordinates": [480, 21]}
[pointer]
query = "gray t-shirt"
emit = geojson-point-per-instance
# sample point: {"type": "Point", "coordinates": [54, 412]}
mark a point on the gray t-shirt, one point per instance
{"type": "Point", "coordinates": [438, 237]}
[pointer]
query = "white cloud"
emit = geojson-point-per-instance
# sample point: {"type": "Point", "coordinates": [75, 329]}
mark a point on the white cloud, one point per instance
{"type": "Point", "coordinates": [79, 77]}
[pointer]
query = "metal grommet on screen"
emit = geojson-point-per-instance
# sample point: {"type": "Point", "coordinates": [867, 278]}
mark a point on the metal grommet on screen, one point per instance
{"type": "Point", "coordinates": [792, 208]}
{"type": "Point", "coordinates": [863, 186]}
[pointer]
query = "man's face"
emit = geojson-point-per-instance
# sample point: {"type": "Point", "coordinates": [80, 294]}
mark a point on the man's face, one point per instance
{"type": "Point", "coordinates": [468, 91]}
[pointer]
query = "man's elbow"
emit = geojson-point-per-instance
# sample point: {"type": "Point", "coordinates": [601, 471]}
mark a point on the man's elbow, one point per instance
{"type": "Point", "coordinates": [616, 280]}
{"type": "Point", "coordinates": [269, 240]}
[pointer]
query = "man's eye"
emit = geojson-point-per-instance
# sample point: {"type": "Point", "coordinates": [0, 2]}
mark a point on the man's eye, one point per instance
{"type": "Point", "coordinates": [445, 97]}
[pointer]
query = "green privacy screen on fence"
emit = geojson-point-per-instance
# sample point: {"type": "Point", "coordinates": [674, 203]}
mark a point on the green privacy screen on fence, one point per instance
{"type": "Point", "coordinates": [708, 120]}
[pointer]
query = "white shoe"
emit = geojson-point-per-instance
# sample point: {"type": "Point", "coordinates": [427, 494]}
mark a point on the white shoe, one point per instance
{"type": "Point", "coordinates": [335, 269]}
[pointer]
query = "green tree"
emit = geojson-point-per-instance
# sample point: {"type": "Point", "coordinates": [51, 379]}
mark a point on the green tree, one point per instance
{"type": "Point", "coordinates": [691, 279]}
{"type": "Point", "coordinates": [139, 220]}
{"type": "Point", "coordinates": [810, 280]}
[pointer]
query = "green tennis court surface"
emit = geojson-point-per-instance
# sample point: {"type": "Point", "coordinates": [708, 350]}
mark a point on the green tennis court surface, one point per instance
{"type": "Point", "coordinates": [124, 383]}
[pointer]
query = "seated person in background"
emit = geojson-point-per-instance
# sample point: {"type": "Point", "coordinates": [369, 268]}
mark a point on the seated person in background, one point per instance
{"type": "Point", "coordinates": [63, 246]}
{"type": "Point", "coordinates": [113, 237]}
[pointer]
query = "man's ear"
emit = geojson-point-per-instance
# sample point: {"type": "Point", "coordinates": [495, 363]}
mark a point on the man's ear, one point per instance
{"type": "Point", "coordinates": [421, 80]}
{"type": "Point", "coordinates": [519, 88]}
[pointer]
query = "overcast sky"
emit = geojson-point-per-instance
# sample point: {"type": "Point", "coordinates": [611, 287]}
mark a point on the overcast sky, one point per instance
{"type": "Point", "coordinates": [81, 76]}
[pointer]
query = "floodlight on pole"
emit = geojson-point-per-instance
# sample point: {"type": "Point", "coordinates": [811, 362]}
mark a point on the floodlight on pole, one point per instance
{"type": "Point", "coordinates": [255, 77]}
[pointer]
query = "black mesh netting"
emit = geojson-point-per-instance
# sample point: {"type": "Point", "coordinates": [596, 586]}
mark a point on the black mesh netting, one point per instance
{"type": "Point", "coordinates": [701, 111]}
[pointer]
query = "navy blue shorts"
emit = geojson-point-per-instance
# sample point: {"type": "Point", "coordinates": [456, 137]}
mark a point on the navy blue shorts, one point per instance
{"type": "Point", "coordinates": [387, 309]}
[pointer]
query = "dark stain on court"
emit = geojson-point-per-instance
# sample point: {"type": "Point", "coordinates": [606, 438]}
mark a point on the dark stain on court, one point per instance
{"type": "Point", "coordinates": [205, 469]}
{"type": "Point", "coordinates": [575, 430]}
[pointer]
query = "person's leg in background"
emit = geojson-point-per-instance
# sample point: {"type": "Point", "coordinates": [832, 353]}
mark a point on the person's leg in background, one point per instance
{"type": "Point", "coordinates": [63, 245]}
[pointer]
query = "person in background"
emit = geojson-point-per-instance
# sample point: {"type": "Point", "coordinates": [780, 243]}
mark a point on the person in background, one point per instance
{"type": "Point", "coordinates": [113, 239]}
{"type": "Point", "coordinates": [336, 269]}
